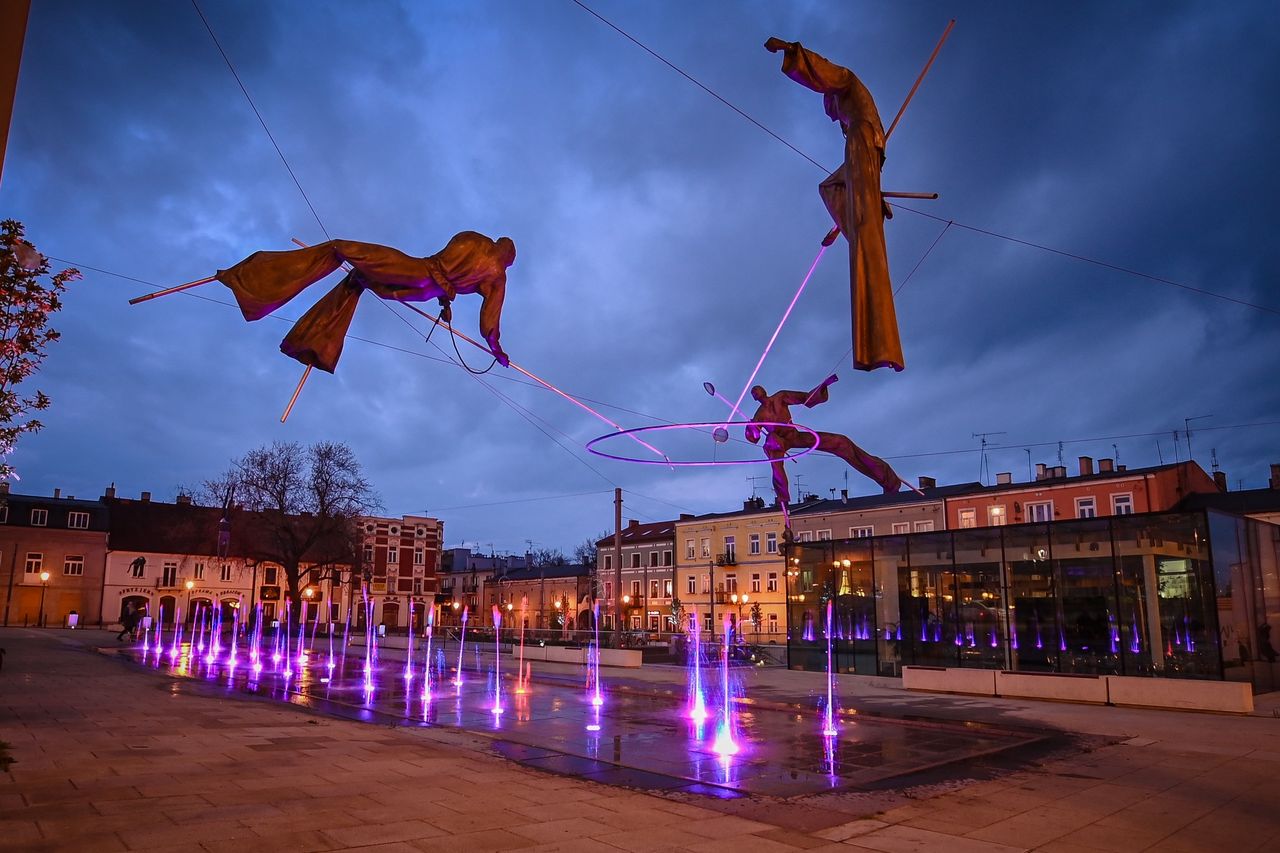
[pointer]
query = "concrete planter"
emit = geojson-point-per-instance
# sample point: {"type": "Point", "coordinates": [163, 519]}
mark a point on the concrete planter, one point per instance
{"type": "Point", "coordinates": [1059, 688]}
{"type": "Point", "coordinates": [980, 682]}
{"type": "Point", "coordinates": [1230, 696]}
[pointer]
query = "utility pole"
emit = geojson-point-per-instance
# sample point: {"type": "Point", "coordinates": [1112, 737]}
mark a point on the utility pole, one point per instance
{"type": "Point", "coordinates": [617, 559]}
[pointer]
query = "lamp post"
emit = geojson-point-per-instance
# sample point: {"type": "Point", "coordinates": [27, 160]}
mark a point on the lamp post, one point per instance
{"type": "Point", "coordinates": [44, 585]}
{"type": "Point", "coordinates": [739, 600]}
{"type": "Point", "coordinates": [626, 607]}
{"type": "Point", "coordinates": [190, 586]}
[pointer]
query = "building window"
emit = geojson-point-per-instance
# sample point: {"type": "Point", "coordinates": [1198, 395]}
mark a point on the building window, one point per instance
{"type": "Point", "coordinates": [706, 621]}
{"type": "Point", "coordinates": [688, 549]}
{"type": "Point", "coordinates": [755, 582]}
{"type": "Point", "coordinates": [773, 582]}
{"type": "Point", "coordinates": [226, 572]}
{"type": "Point", "coordinates": [692, 587]}
{"type": "Point", "coordinates": [861, 532]}
{"type": "Point", "coordinates": [78, 520]}
{"type": "Point", "coordinates": [1086, 508]}
{"type": "Point", "coordinates": [138, 567]}
{"type": "Point", "coordinates": [368, 554]}
{"type": "Point", "coordinates": [901, 527]}
{"type": "Point", "coordinates": [824, 535]}
{"type": "Point", "coordinates": [706, 547]}
{"type": "Point", "coordinates": [269, 575]}
{"type": "Point", "coordinates": [923, 526]}
{"type": "Point", "coordinates": [806, 536]}
{"type": "Point", "coordinates": [706, 584]}
{"type": "Point", "coordinates": [608, 590]}
{"type": "Point", "coordinates": [653, 559]}
{"type": "Point", "coordinates": [666, 588]}
{"type": "Point", "coordinates": [773, 623]}
{"type": "Point", "coordinates": [1122, 504]}
{"type": "Point", "coordinates": [39, 517]}
{"type": "Point", "coordinates": [635, 591]}
{"type": "Point", "coordinates": [730, 583]}
{"type": "Point", "coordinates": [995, 515]}
{"type": "Point", "coordinates": [4, 514]}
{"type": "Point", "coordinates": [771, 543]}
{"type": "Point", "coordinates": [668, 558]}
{"type": "Point", "coordinates": [635, 559]}
{"type": "Point", "coordinates": [608, 561]}
{"type": "Point", "coordinates": [73, 565]}
{"type": "Point", "coordinates": [199, 571]}
{"type": "Point", "coordinates": [170, 577]}
{"type": "Point", "coordinates": [419, 557]}
{"type": "Point", "coordinates": [35, 562]}
{"type": "Point", "coordinates": [730, 549]}
{"type": "Point", "coordinates": [968, 518]}
{"type": "Point", "coordinates": [753, 543]}
{"type": "Point", "coordinates": [1042, 511]}
{"type": "Point", "coordinates": [393, 555]}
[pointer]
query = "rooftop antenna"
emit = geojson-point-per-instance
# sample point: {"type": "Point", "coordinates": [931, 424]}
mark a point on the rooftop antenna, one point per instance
{"type": "Point", "coordinates": [982, 460]}
{"type": "Point", "coordinates": [752, 480]}
{"type": "Point", "coordinates": [1116, 450]}
{"type": "Point", "coordinates": [1186, 428]}
{"type": "Point", "coordinates": [1159, 452]}
{"type": "Point", "coordinates": [1030, 476]}
{"type": "Point", "coordinates": [799, 489]}
{"type": "Point", "coordinates": [1059, 452]}
{"type": "Point", "coordinates": [1213, 459]}
{"type": "Point", "coordinates": [1177, 456]}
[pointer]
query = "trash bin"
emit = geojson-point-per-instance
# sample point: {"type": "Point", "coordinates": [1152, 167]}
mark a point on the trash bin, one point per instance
{"type": "Point", "coordinates": [73, 619]}
{"type": "Point", "coordinates": [382, 630]}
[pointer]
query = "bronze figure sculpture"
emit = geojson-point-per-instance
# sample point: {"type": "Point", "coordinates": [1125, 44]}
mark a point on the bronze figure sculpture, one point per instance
{"type": "Point", "coordinates": [469, 263]}
{"type": "Point", "coordinates": [775, 409]}
{"type": "Point", "coordinates": [853, 198]}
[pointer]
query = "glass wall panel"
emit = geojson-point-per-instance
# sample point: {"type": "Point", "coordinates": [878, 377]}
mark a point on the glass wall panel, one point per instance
{"type": "Point", "coordinates": [927, 601]}
{"type": "Point", "coordinates": [1237, 588]}
{"type": "Point", "coordinates": [982, 612]}
{"type": "Point", "coordinates": [1087, 593]}
{"type": "Point", "coordinates": [854, 616]}
{"type": "Point", "coordinates": [899, 636]}
{"type": "Point", "coordinates": [1139, 610]}
{"type": "Point", "coordinates": [1036, 640]}
{"type": "Point", "coordinates": [808, 577]}
{"type": "Point", "coordinates": [1264, 554]}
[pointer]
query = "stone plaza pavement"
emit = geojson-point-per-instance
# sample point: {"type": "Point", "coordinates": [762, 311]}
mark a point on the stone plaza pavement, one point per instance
{"type": "Point", "coordinates": [106, 756]}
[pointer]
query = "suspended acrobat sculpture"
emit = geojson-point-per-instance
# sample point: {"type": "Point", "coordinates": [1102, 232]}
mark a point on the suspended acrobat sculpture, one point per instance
{"type": "Point", "coordinates": [469, 263]}
{"type": "Point", "coordinates": [775, 410]}
{"type": "Point", "coordinates": [853, 198]}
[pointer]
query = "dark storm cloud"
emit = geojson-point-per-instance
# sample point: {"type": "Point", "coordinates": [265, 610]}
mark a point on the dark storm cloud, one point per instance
{"type": "Point", "coordinates": [660, 236]}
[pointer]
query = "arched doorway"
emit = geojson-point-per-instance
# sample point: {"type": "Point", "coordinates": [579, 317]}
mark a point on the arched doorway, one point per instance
{"type": "Point", "coordinates": [391, 614]}
{"type": "Point", "coordinates": [198, 606]}
{"type": "Point", "coordinates": [584, 621]}
{"type": "Point", "coordinates": [230, 606]}
{"type": "Point", "coordinates": [167, 605]}
{"type": "Point", "coordinates": [140, 603]}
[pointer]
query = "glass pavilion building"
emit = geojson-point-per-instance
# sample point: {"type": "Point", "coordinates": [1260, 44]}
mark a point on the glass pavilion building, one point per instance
{"type": "Point", "coordinates": [1174, 594]}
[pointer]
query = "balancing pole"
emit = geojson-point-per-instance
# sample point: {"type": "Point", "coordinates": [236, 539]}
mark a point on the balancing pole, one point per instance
{"type": "Point", "coordinates": [169, 290]}
{"type": "Point", "coordinates": [296, 392]}
{"type": "Point", "coordinates": [920, 79]}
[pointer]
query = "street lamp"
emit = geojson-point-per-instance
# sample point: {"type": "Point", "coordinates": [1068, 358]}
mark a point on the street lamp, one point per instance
{"type": "Point", "coordinates": [190, 586]}
{"type": "Point", "coordinates": [739, 600]}
{"type": "Point", "coordinates": [44, 585]}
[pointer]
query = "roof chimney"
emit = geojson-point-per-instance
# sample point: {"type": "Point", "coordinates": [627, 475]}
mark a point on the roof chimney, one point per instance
{"type": "Point", "coordinates": [685, 516]}
{"type": "Point", "coordinates": [1041, 472]}
{"type": "Point", "coordinates": [1086, 466]}
{"type": "Point", "coordinates": [184, 500]}
{"type": "Point", "coordinates": [110, 491]}
{"type": "Point", "coordinates": [1004, 478]}
{"type": "Point", "coordinates": [928, 483]}
{"type": "Point", "coordinates": [1059, 470]}
{"type": "Point", "coordinates": [1274, 482]}
{"type": "Point", "coordinates": [1220, 480]}
{"type": "Point", "coordinates": [1105, 466]}
{"type": "Point", "coordinates": [1122, 467]}
{"type": "Point", "coordinates": [844, 493]}
{"type": "Point", "coordinates": [633, 522]}
{"type": "Point", "coordinates": [57, 493]}
{"type": "Point", "coordinates": [146, 496]}
{"type": "Point", "coordinates": [4, 488]}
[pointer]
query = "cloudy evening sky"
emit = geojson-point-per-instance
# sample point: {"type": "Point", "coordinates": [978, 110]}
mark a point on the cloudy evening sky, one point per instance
{"type": "Point", "coordinates": [661, 236]}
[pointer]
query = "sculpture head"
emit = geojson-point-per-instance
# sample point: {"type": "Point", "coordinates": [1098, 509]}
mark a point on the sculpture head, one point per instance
{"type": "Point", "coordinates": [758, 393]}
{"type": "Point", "coordinates": [506, 250]}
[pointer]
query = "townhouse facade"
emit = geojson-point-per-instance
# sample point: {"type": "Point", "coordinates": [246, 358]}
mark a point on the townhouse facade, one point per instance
{"type": "Point", "coordinates": [730, 565]}
{"type": "Point", "coordinates": [400, 560]}
{"type": "Point", "coordinates": [638, 593]}
{"type": "Point", "coordinates": [52, 558]}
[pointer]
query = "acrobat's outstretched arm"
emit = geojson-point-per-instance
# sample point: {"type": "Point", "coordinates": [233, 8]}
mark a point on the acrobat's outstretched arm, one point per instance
{"type": "Point", "coordinates": [490, 316]}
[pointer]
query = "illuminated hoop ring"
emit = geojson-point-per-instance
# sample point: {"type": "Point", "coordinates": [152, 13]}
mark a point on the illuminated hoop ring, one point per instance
{"type": "Point", "coordinates": [674, 463]}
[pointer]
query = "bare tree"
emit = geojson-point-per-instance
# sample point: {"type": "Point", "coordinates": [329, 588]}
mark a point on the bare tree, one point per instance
{"type": "Point", "coordinates": [546, 557]}
{"type": "Point", "coordinates": [584, 553]}
{"type": "Point", "coordinates": [302, 504]}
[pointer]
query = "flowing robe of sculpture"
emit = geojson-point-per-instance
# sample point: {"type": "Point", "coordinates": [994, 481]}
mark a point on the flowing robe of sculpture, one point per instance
{"type": "Point", "coordinates": [775, 409]}
{"type": "Point", "coordinates": [852, 197]}
{"type": "Point", "coordinates": [470, 263]}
